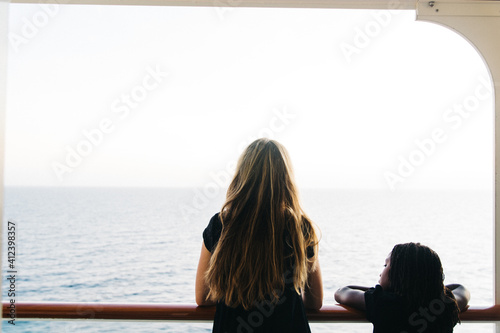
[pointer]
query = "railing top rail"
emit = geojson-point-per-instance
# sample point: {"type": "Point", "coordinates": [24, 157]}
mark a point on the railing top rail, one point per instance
{"type": "Point", "coordinates": [342, 4]}
{"type": "Point", "coordinates": [188, 312]}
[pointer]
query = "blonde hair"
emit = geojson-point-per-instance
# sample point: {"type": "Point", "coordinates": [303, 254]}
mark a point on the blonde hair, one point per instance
{"type": "Point", "coordinates": [261, 219]}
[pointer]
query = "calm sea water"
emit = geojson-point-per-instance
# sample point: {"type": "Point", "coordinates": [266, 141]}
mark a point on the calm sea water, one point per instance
{"type": "Point", "coordinates": [128, 245]}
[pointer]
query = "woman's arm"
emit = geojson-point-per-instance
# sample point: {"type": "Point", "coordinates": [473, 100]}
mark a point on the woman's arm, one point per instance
{"type": "Point", "coordinates": [201, 288]}
{"type": "Point", "coordinates": [353, 296]}
{"type": "Point", "coordinates": [462, 295]}
{"type": "Point", "coordinates": [313, 291]}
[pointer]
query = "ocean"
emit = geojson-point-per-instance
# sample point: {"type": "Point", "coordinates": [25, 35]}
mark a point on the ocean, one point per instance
{"type": "Point", "coordinates": [133, 245]}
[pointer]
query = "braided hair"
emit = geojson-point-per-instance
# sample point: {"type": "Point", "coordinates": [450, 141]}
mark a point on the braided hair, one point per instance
{"type": "Point", "coordinates": [416, 274]}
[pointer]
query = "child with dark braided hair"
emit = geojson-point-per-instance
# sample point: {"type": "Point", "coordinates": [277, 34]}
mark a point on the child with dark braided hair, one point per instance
{"type": "Point", "coordinates": [410, 296]}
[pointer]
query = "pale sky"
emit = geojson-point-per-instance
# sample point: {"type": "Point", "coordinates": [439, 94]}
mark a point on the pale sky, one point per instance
{"type": "Point", "coordinates": [168, 96]}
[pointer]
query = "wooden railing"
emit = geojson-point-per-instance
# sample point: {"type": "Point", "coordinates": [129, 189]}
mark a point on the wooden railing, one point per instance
{"type": "Point", "coordinates": [180, 312]}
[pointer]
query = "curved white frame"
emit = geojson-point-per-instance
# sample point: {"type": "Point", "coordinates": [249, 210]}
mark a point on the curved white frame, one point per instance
{"type": "Point", "coordinates": [477, 21]}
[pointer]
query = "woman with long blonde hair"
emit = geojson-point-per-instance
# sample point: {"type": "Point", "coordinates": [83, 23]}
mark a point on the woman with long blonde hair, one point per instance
{"type": "Point", "coordinates": [259, 258]}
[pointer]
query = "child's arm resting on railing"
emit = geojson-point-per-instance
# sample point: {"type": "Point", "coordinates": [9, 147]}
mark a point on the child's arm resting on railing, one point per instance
{"type": "Point", "coordinates": [462, 295]}
{"type": "Point", "coordinates": [353, 296]}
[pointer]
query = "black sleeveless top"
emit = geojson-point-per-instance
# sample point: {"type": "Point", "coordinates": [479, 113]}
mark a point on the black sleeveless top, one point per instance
{"type": "Point", "coordinates": [390, 313]}
{"type": "Point", "coordinates": [288, 315]}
